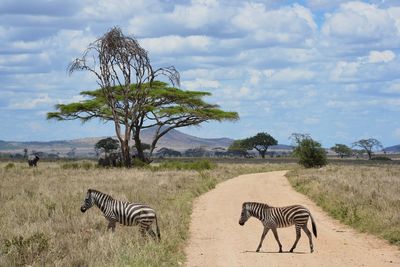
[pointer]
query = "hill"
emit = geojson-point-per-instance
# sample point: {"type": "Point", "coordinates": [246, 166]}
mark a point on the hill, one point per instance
{"type": "Point", "coordinates": [84, 146]}
{"type": "Point", "coordinates": [392, 149]}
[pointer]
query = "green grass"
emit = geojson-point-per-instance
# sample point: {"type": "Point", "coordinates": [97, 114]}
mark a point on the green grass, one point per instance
{"type": "Point", "coordinates": [41, 223]}
{"type": "Point", "coordinates": [364, 197]}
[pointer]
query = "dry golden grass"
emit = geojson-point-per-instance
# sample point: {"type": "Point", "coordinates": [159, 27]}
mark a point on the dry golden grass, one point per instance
{"type": "Point", "coordinates": [41, 222]}
{"type": "Point", "coordinates": [367, 198]}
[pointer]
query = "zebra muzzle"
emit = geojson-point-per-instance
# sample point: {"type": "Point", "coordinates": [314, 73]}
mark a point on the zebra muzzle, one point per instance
{"type": "Point", "coordinates": [83, 209]}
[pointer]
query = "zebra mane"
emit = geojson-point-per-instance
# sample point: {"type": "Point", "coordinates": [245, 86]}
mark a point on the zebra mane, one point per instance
{"type": "Point", "coordinates": [98, 192]}
{"type": "Point", "coordinates": [252, 204]}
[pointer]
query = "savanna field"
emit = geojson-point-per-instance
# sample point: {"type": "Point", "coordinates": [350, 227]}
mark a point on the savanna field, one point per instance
{"type": "Point", "coordinates": [41, 223]}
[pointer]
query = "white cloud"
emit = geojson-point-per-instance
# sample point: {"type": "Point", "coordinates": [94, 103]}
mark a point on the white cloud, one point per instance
{"type": "Point", "coordinates": [200, 84]}
{"type": "Point", "coordinates": [291, 75]}
{"type": "Point", "coordinates": [284, 25]}
{"type": "Point", "coordinates": [176, 44]}
{"type": "Point", "coordinates": [344, 70]}
{"type": "Point", "coordinates": [381, 56]}
{"type": "Point", "coordinates": [361, 22]}
{"type": "Point", "coordinates": [41, 99]}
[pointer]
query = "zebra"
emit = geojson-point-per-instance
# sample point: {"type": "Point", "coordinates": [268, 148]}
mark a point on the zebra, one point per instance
{"type": "Point", "coordinates": [32, 160]}
{"type": "Point", "coordinates": [125, 213]}
{"type": "Point", "coordinates": [278, 217]}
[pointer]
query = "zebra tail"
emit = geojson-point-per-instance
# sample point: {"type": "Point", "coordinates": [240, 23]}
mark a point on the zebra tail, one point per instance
{"type": "Point", "coordinates": [314, 227]}
{"type": "Point", "coordinates": [158, 230]}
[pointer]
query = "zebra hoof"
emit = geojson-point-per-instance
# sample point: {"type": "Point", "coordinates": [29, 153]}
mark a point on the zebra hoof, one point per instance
{"type": "Point", "coordinates": [291, 251]}
{"type": "Point", "coordinates": [258, 250]}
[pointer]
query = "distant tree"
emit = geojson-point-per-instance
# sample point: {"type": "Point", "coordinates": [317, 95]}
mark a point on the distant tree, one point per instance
{"type": "Point", "coordinates": [167, 152]}
{"type": "Point", "coordinates": [195, 152]}
{"type": "Point", "coordinates": [368, 145]}
{"type": "Point", "coordinates": [309, 151]}
{"type": "Point", "coordinates": [238, 148]}
{"type": "Point", "coordinates": [342, 150]}
{"type": "Point", "coordinates": [259, 142]}
{"type": "Point", "coordinates": [72, 152]}
{"type": "Point", "coordinates": [107, 144]}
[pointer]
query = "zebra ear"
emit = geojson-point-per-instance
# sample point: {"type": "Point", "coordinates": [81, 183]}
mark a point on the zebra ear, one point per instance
{"type": "Point", "coordinates": [89, 190]}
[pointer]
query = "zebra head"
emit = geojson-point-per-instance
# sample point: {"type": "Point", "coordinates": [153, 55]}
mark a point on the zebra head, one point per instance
{"type": "Point", "coordinates": [245, 215]}
{"type": "Point", "coordinates": [88, 202]}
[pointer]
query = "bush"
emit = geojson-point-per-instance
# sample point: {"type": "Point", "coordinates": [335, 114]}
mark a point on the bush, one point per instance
{"type": "Point", "coordinates": [9, 166]}
{"type": "Point", "coordinates": [381, 158]}
{"type": "Point", "coordinates": [310, 153]}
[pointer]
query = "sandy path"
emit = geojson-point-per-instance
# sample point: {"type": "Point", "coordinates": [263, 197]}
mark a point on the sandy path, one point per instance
{"type": "Point", "coordinates": [217, 239]}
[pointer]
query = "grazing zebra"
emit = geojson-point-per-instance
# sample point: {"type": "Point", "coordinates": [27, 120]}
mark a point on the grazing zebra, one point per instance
{"type": "Point", "coordinates": [273, 218]}
{"type": "Point", "coordinates": [32, 160]}
{"type": "Point", "coordinates": [123, 212]}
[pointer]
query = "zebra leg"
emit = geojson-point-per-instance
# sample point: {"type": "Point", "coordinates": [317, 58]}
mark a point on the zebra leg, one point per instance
{"type": "Point", "coordinates": [277, 238]}
{"type": "Point", "coordinates": [308, 233]}
{"type": "Point", "coordinates": [298, 234]}
{"type": "Point", "coordinates": [262, 238]}
{"type": "Point", "coordinates": [111, 224]}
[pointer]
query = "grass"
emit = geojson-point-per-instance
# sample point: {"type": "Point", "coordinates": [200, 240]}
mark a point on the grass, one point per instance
{"type": "Point", "coordinates": [364, 197]}
{"type": "Point", "coordinates": [41, 223]}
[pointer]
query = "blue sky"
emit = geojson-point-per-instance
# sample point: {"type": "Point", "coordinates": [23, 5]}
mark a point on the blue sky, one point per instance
{"type": "Point", "coordinates": [329, 68]}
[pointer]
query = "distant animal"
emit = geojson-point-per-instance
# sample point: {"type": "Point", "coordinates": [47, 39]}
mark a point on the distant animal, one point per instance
{"type": "Point", "coordinates": [112, 159]}
{"type": "Point", "coordinates": [32, 160]}
{"type": "Point", "coordinates": [273, 218]}
{"type": "Point", "coordinates": [125, 213]}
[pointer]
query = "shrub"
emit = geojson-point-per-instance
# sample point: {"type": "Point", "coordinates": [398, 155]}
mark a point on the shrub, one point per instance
{"type": "Point", "coordinates": [9, 166]}
{"type": "Point", "coordinates": [310, 153]}
{"type": "Point", "coordinates": [381, 158]}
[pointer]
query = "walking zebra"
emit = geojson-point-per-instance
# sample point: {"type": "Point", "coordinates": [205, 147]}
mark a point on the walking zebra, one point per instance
{"type": "Point", "coordinates": [123, 212]}
{"type": "Point", "coordinates": [273, 218]}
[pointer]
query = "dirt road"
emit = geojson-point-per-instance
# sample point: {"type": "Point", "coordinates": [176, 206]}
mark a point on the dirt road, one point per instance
{"type": "Point", "coordinates": [217, 239]}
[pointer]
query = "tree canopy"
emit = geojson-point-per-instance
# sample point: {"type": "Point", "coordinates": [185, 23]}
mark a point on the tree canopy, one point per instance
{"type": "Point", "coordinates": [165, 108]}
{"type": "Point", "coordinates": [342, 150]}
{"type": "Point", "coordinates": [261, 142]}
{"type": "Point", "coordinates": [107, 144]}
{"type": "Point", "coordinates": [368, 145]}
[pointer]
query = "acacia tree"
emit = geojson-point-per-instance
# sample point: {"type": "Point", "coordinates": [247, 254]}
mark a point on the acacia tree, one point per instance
{"type": "Point", "coordinates": [342, 150]}
{"type": "Point", "coordinates": [129, 96]}
{"type": "Point", "coordinates": [237, 148]}
{"type": "Point", "coordinates": [107, 144]}
{"type": "Point", "coordinates": [165, 108]}
{"type": "Point", "coordinates": [260, 142]}
{"type": "Point", "coordinates": [368, 145]}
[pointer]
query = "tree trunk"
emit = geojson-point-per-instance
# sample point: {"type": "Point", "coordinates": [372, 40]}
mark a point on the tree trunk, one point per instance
{"type": "Point", "coordinates": [138, 145]}
{"type": "Point", "coordinates": [126, 157]}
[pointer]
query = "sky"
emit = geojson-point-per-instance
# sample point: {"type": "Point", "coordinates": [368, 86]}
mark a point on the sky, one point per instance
{"type": "Point", "coordinates": [328, 68]}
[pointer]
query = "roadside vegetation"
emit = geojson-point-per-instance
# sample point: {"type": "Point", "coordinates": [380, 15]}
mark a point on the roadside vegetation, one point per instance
{"type": "Point", "coordinates": [364, 197]}
{"type": "Point", "coordinates": [41, 223]}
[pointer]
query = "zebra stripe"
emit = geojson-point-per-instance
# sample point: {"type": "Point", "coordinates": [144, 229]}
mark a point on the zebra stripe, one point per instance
{"type": "Point", "coordinates": [279, 217]}
{"type": "Point", "coordinates": [125, 213]}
